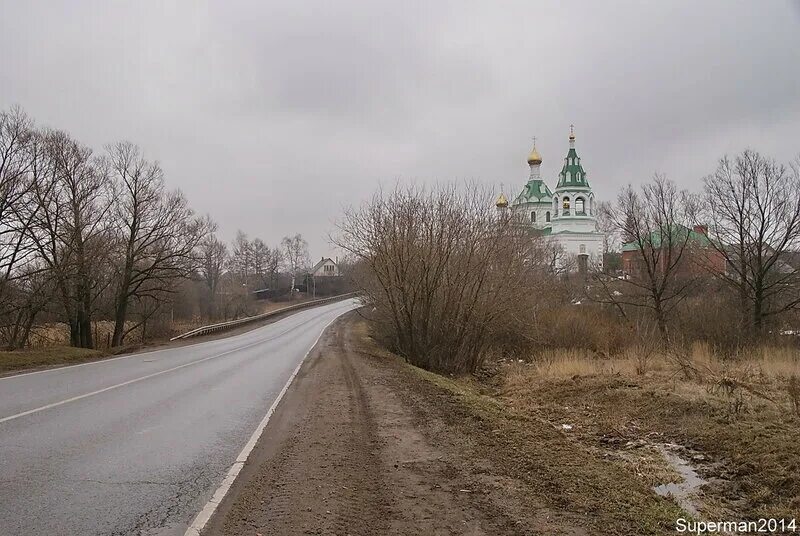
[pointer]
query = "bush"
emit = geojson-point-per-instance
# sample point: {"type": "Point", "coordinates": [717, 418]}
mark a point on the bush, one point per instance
{"type": "Point", "coordinates": [447, 276]}
{"type": "Point", "coordinates": [587, 327]}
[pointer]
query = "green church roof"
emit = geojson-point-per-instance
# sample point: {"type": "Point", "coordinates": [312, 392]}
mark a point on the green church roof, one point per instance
{"type": "Point", "coordinates": [534, 191]}
{"type": "Point", "coordinates": [679, 234]}
{"type": "Point", "coordinates": [572, 174]}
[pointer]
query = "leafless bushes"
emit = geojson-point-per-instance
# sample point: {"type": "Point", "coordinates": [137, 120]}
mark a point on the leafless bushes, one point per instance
{"type": "Point", "coordinates": [586, 326]}
{"type": "Point", "coordinates": [445, 274]}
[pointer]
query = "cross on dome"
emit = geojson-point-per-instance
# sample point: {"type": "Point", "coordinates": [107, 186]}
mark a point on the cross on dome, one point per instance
{"type": "Point", "coordinates": [534, 158]}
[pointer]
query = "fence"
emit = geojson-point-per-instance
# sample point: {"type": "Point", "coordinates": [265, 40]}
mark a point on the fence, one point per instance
{"type": "Point", "coordinates": [213, 328]}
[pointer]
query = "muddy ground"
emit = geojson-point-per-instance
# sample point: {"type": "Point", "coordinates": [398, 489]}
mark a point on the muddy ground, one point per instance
{"type": "Point", "coordinates": [365, 444]}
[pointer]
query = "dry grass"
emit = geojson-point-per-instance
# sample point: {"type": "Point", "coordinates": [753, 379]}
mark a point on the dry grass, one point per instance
{"type": "Point", "coordinates": [766, 364]}
{"type": "Point", "coordinates": [44, 357]}
{"type": "Point", "coordinates": [740, 411]}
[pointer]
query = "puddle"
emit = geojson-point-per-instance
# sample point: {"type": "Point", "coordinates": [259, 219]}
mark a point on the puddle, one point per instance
{"type": "Point", "coordinates": [683, 492]}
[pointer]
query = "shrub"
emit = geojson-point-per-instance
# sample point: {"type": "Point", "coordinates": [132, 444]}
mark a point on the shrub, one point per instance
{"type": "Point", "coordinates": [445, 275]}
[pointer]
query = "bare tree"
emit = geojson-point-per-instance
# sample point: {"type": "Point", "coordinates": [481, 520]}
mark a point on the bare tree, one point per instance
{"type": "Point", "coordinates": [654, 223]}
{"type": "Point", "coordinates": [752, 204]}
{"type": "Point", "coordinates": [607, 226]}
{"type": "Point", "coordinates": [295, 250]}
{"type": "Point", "coordinates": [241, 260]}
{"type": "Point", "coordinates": [213, 257]}
{"type": "Point", "coordinates": [158, 234]}
{"type": "Point", "coordinates": [266, 263]}
{"type": "Point", "coordinates": [72, 230]}
{"type": "Point", "coordinates": [16, 133]}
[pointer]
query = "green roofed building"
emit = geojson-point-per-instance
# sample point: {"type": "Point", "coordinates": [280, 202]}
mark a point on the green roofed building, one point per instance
{"type": "Point", "coordinates": [534, 202]}
{"type": "Point", "coordinates": [566, 215]}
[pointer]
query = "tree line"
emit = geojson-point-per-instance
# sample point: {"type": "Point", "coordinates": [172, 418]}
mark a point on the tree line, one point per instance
{"type": "Point", "coordinates": [449, 281]}
{"type": "Point", "coordinates": [734, 244]}
{"type": "Point", "coordinates": [87, 236]}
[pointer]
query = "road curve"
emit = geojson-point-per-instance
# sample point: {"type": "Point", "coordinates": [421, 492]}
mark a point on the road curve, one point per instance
{"type": "Point", "coordinates": [138, 444]}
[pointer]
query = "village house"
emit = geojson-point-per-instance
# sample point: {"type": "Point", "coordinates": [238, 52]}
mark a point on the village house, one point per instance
{"type": "Point", "coordinates": [326, 267]}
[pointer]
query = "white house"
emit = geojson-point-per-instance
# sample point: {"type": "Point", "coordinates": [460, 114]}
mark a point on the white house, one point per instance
{"type": "Point", "coordinates": [326, 267]}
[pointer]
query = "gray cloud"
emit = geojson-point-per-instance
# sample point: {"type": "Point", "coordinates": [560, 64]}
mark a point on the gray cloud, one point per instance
{"type": "Point", "coordinates": [273, 116]}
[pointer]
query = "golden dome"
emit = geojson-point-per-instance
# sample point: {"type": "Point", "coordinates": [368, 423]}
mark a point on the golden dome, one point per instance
{"type": "Point", "coordinates": [534, 157]}
{"type": "Point", "coordinates": [501, 202]}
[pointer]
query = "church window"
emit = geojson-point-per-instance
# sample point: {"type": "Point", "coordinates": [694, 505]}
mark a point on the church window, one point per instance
{"type": "Point", "coordinates": [565, 206]}
{"type": "Point", "coordinates": [533, 216]}
{"type": "Point", "coordinates": [579, 208]}
{"type": "Point", "coordinates": [547, 216]}
{"type": "Point", "coordinates": [583, 249]}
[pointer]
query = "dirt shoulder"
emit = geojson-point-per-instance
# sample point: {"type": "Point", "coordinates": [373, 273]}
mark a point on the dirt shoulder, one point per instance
{"type": "Point", "coordinates": [365, 444]}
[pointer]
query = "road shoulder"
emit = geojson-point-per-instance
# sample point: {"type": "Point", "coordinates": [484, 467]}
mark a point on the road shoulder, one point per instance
{"type": "Point", "coordinates": [361, 444]}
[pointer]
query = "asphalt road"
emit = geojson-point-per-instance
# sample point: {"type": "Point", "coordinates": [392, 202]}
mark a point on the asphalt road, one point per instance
{"type": "Point", "coordinates": [138, 444]}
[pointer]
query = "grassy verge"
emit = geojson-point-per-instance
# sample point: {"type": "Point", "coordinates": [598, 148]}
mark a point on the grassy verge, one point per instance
{"type": "Point", "coordinates": [559, 470]}
{"type": "Point", "coordinates": [736, 417]}
{"type": "Point", "coordinates": [556, 471]}
{"type": "Point", "coordinates": [46, 357]}
{"type": "Point", "coordinates": [735, 421]}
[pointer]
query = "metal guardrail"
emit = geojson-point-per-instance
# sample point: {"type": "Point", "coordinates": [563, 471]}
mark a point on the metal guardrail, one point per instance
{"type": "Point", "coordinates": [213, 328]}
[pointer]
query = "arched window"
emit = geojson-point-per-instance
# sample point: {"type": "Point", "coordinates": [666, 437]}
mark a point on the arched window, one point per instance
{"type": "Point", "coordinates": [565, 205]}
{"type": "Point", "coordinates": [547, 216]}
{"type": "Point", "coordinates": [533, 216]}
{"type": "Point", "coordinates": [579, 208]}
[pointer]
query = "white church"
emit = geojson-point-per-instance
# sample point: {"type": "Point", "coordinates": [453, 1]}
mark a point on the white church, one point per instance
{"type": "Point", "coordinates": [567, 216]}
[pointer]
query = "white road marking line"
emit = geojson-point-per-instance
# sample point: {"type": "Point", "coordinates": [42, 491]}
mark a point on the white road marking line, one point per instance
{"type": "Point", "coordinates": [210, 507]}
{"type": "Point", "coordinates": [135, 380]}
{"type": "Point", "coordinates": [105, 389]}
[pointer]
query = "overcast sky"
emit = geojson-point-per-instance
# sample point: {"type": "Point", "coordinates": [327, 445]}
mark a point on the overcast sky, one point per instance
{"type": "Point", "coordinates": [274, 116]}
